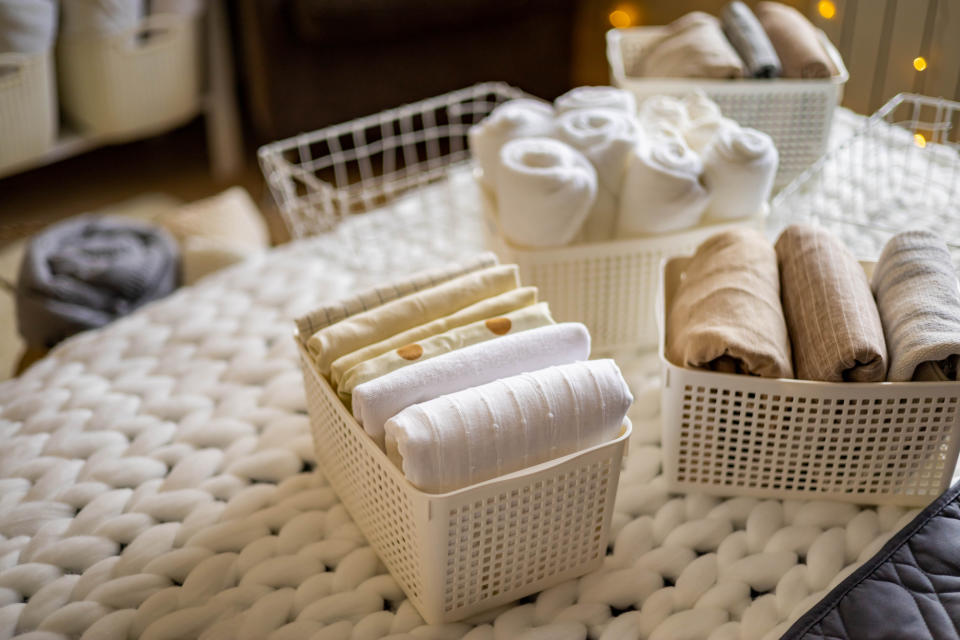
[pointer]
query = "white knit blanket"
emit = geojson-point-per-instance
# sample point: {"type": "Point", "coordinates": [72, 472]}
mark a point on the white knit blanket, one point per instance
{"type": "Point", "coordinates": [157, 481]}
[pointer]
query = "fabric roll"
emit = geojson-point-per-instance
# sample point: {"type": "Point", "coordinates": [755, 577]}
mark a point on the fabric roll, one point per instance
{"type": "Point", "coordinates": [378, 400]}
{"type": "Point", "coordinates": [660, 110]}
{"type": "Point", "coordinates": [87, 271]}
{"type": "Point", "coordinates": [704, 121]}
{"type": "Point", "coordinates": [744, 32]}
{"type": "Point", "coordinates": [915, 285]}
{"type": "Point", "coordinates": [537, 315]}
{"type": "Point", "coordinates": [482, 432]}
{"type": "Point", "coordinates": [545, 190]}
{"type": "Point", "coordinates": [834, 324]}
{"type": "Point", "coordinates": [739, 168]}
{"type": "Point", "coordinates": [596, 98]}
{"type": "Point", "coordinates": [100, 17]}
{"type": "Point", "coordinates": [330, 313]}
{"type": "Point", "coordinates": [693, 46]}
{"type": "Point", "coordinates": [662, 190]}
{"type": "Point", "coordinates": [521, 118]}
{"type": "Point", "coordinates": [368, 327]}
{"type": "Point", "coordinates": [726, 314]}
{"type": "Point", "coordinates": [27, 26]}
{"type": "Point", "coordinates": [489, 308]}
{"type": "Point", "coordinates": [795, 40]}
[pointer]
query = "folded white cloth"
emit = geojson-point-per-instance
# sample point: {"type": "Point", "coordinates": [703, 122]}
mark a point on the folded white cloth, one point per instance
{"type": "Point", "coordinates": [521, 118]}
{"type": "Point", "coordinates": [378, 400]}
{"type": "Point", "coordinates": [592, 97]}
{"type": "Point", "coordinates": [662, 190]}
{"type": "Point", "coordinates": [545, 190]}
{"type": "Point", "coordinates": [658, 110]}
{"type": "Point", "coordinates": [739, 167]}
{"type": "Point", "coordinates": [482, 432]}
{"type": "Point", "coordinates": [704, 121]}
{"type": "Point", "coordinates": [100, 16]}
{"type": "Point", "coordinates": [27, 26]}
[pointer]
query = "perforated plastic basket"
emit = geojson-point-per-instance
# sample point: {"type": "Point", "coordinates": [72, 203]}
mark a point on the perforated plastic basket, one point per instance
{"type": "Point", "coordinates": [797, 114]}
{"type": "Point", "coordinates": [28, 107]}
{"type": "Point", "coordinates": [729, 434]}
{"type": "Point", "coordinates": [459, 553]}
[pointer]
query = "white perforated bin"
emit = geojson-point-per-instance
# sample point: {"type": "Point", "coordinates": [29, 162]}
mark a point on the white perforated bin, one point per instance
{"type": "Point", "coordinates": [876, 443]}
{"type": "Point", "coordinates": [458, 553]}
{"type": "Point", "coordinates": [796, 113]}
{"type": "Point", "coordinates": [28, 107]}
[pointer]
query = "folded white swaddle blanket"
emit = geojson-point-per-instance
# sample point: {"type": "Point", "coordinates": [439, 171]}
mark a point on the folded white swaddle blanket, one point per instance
{"type": "Point", "coordinates": [483, 432]}
{"type": "Point", "coordinates": [378, 400]}
{"type": "Point", "coordinates": [545, 190]}
{"type": "Point", "coordinates": [521, 118]}
{"type": "Point", "coordinates": [662, 190]}
{"type": "Point", "coordinates": [27, 26]}
{"type": "Point", "coordinates": [739, 168]}
{"type": "Point", "coordinates": [596, 97]}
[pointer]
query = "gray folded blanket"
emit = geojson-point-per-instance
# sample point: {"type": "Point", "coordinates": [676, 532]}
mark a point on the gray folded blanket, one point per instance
{"type": "Point", "coordinates": [87, 271]}
{"type": "Point", "coordinates": [747, 36]}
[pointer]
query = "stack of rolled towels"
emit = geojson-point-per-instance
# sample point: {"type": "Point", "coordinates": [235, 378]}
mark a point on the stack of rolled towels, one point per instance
{"type": "Point", "coordinates": [595, 166]}
{"type": "Point", "coordinates": [774, 41]}
{"type": "Point", "coordinates": [805, 308]}
{"type": "Point", "coordinates": [461, 375]}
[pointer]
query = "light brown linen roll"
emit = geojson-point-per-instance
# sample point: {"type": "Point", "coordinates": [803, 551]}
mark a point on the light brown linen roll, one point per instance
{"type": "Point", "coordinates": [795, 40]}
{"type": "Point", "coordinates": [692, 46]}
{"type": "Point", "coordinates": [834, 324]}
{"type": "Point", "coordinates": [726, 313]}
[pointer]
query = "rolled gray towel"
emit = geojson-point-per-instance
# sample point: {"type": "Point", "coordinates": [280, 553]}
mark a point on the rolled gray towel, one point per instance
{"type": "Point", "coordinates": [87, 271]}
{"type": "Point", "coordinates": [747, 36]}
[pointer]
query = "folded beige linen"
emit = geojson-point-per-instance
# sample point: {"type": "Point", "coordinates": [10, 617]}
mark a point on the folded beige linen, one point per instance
{"type": "Point", "coordinates": [834, 325]}
{"type": "Point", "coordinates": [404, 313]}
{"type": "Point", "coordinates": [795, 40]}
{"type": "Point", "coordinates": [726, 314]}
{"type": "Point", "coordinates": [692, 46]}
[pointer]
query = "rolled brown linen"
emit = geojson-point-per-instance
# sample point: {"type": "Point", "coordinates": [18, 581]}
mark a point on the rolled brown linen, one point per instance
{"type": "Point", "coordinates": [834, 324]}
{"type": "Point", "coordinates": [692, 46]}
{"type": "Point", "coordinates": [795, 40]}
{"type": "Point", "coordinates": [726, 314]}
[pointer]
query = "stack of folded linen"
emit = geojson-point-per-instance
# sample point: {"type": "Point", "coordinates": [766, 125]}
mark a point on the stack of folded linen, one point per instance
{"type": "Point", "coordinates": [461, 375]}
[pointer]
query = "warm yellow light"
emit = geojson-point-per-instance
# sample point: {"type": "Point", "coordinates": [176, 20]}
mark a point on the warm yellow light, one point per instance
{"type": "Point", "coordinates": [919, 63]}
{"type": "Point", "coordinates": [827, 9]}
{"type": "Point", "coordinates": [623, 16]}
{"type": "Point", "coordinates": [920, 140]}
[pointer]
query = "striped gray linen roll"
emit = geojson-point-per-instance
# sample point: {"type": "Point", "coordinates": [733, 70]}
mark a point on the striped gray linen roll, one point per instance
{"type": "Point", "coordinates": [747, 36]}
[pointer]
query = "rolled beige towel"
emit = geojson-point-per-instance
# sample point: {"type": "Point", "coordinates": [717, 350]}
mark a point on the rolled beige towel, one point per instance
{"type": "Point", "coordinates": [796, 41]}
{"type": "Point", "coordinates": [692, 46]}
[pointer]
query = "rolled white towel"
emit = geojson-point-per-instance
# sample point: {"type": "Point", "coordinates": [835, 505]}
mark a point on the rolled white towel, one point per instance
{"type": "Point", "coordinates": [100, 16]}
{"type": "Point", "coordinates": [545, 190]}
{"type": "Point", "coordinates": [380, 399]}
{"type": "Point", "coordinates": [593, 97]}
{"type": "Point", "coordinates": [662, 190]}
{"type": "Point", "coordinates": [521, 118]}
{"type": "Point", "coordinates": [657, 110]}
{"type": "Point", "coordinates": [27, 26]}
{"type": "Point", "coordinates": [739, 168]}
{"type": "Point", "coordinates": [704, 121]}
{"type": "Point", "coordinates": [482, 432]}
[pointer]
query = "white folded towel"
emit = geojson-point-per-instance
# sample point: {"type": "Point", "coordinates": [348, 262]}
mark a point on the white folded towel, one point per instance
{"type": "Point", "coordinates": [482, 432]}
{"type": "Point", "coordinates": [592, 97]}
{"type": "Point", "coordinates": [100, 16]}
{"type": "Point", "coordinates": [545, 190]}
{"type": "Point", "coordinates": [521, 118]}
{"type": "Point", "coordinates": [739, 167]}
{"type": "Point", "coordinates": [27, 26]}
{"type": "Point", "coordinates": [657, 110]}
{"type": "Point", "coordinates": [704, 121]}
{"type": "Point", "coordinates": [380, 399]}
{"type": "Point", "coordinates": [662, 190]}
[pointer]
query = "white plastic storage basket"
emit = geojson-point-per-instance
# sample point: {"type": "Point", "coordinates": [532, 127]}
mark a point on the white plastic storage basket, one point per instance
{"type": "Point", "coordinates": [135, 82]}
{"type": "Point", "coordinates": [28, 107]}
{"type": "Point", "coordinates": [730, 434]}
{"type": "Point", "coordinates": [797, 114]}
{"type": "Point", "coordinates": [458, 553]}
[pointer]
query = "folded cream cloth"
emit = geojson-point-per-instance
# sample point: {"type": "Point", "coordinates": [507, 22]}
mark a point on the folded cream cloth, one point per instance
{"type": "Point", "coordinates": [376, 401]}
{"type": "Point", "coordinates": [482, 432]}
{"type": "Point", "coordinates": [596, 97]}
{"type": "Point", "coordinates": [401, 314]}
{"type": "Point", "coordinates": [330, 313]}
{"type": "Point", "coordinates": [748, 38]}
{"type": "Point", "coordinates": [662, 190]}
{"type": "Point", "coordinates": [796, 41]}
{"type": "Point", "coordinates": [725, 314]}
{"type": "Point", "coordinates": [915, 285]}
{"type": "Point", "coordinates": [537, 315]}
{"type": "Point", "coordinates": [834, 325]}
{"type": "Point", "coordinates": [739, 167]}
{"type": "Point", "coordinates": [545, 190]}
{"type": "Point", "coordinates": [521, 118]}
{"type": "Point", "coordinates": [693, 46]}
{"type": "Point", "coordinates": [488, 308]}
{"type": "Point", "coordinates": [27, 26]}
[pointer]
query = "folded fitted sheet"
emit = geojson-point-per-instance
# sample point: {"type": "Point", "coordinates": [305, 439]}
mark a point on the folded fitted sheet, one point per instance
{"type": "Point", "coordinates": [482, 432]}
{"type": "Point", "coordinates": [693, 46]}
{"type": "Point", "coordinates": [795, 40]}
{"type": "Point", "coordinates": [748, 38]}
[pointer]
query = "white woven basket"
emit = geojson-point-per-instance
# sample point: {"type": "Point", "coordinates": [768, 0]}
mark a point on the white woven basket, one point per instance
{"type": "Point", "coordinates": [132, 83]}
{"type": "Point", "coordinates": [797, 114]}
{"type": "Point", "coordinates": [732, 435]}
{"type": "Point", "coordinates": [28, 107]}
{"type": "Point", "coordinates": [462, 552]}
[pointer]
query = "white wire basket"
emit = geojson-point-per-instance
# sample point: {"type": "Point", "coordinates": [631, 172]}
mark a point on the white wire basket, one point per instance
{"type": "Point", "coordinates": [28, 107]}
{"type": "Point", "coordinates": [796, 113]}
